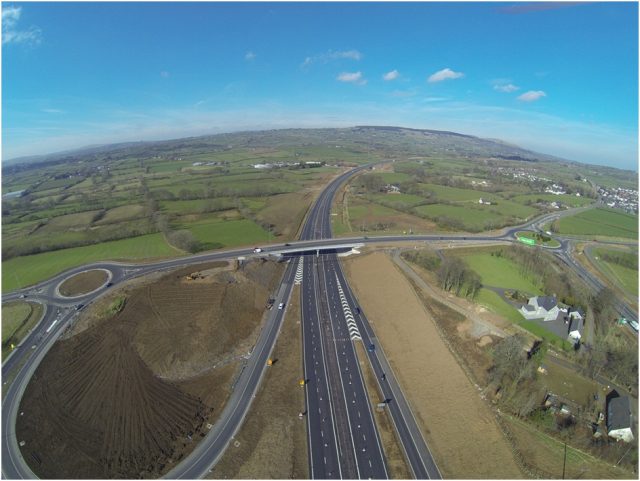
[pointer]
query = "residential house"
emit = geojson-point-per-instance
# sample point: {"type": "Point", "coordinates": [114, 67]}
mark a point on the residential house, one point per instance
{"type": "Point", "coordinates": [541, 307]}
{"type": "Point", "coordinates": [566, 323]}
{"type": "Point", "coordinates": [619, 417]}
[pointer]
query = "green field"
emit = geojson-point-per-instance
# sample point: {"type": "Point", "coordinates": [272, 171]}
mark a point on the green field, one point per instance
{"type": "Point", "coordinates": [393, 177]}
{"type": "Point", "coordinates": [455, 194]}
{"type": "Point", "coordinates": [500, 272]}
{"type": "Point", "coordinates": [214, 232]}
{"type": "Point", "coordinates": [600, 222]}
{"type": "Point", "coordinates": [402, 200]}
{"type": "Point", "coordinates": [471, 217]}
{"type": "Point", "coordinates": [27, 270]}
{"type": "Point", "coordinates": [570, 200]}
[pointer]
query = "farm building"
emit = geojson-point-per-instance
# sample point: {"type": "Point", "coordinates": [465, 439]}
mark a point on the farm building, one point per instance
{"type": "Point", "coordinates": [619, 417]}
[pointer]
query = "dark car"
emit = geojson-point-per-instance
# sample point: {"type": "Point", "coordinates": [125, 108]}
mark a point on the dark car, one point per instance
{"type": "Point", "coordinates": [79, 307]}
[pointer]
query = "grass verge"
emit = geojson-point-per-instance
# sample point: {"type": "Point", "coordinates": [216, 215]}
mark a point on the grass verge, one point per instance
{"type": "Point", "coordinates": [18, 318]}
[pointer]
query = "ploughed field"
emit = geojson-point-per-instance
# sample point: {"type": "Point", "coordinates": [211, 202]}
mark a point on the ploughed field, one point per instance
{"type": "Point", "coordinates": [129, 395]}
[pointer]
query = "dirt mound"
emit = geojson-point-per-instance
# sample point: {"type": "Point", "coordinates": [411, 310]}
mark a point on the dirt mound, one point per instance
{"type": "Point", "coordinates": [186, 327]}
{"type": "Point", "coordinates": [103, 411]}
{"type": "Point", "coordinates": [130, 395]}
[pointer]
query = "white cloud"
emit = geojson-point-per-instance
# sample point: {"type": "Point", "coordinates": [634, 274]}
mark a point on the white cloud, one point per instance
{"type": "Point", "coordinates": [394, 74]}
{"type": "Point", "coordinates": [249, 56]}
{"type": "Point", "coordinates": [444, 74]}
{"type": "Point", "coordinates": [352, 77]}
{"type": "Point", "coordinates": [164, 74]}
{"type": "Point", "coordinates": [508, 88]}
{"type": "Point", "coordinates": [53, 111]}
{"type": "Point", "coordinates": [532, 95]}
{"type": "Point", "coordinates": [332, 55]}
{"type": "Point", "coordinates": [10, 31]}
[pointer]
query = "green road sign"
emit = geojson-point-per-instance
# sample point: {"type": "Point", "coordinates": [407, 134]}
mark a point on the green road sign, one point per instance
{"type": "Point", "coordinates": [527, 240]}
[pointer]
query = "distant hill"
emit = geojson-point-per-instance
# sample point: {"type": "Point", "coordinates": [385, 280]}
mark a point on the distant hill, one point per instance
{"type": "Point", "coordinates": [384, 140]}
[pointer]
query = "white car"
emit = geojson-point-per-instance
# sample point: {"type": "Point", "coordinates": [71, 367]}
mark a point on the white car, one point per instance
{"type": "Point", "coordinates": [257, 250]}
{"type": "Point", "coordinates": [281, 306]}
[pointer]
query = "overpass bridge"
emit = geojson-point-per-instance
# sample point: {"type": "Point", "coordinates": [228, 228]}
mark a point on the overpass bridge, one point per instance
{"type": "Point", "coordinates": [297, 250]}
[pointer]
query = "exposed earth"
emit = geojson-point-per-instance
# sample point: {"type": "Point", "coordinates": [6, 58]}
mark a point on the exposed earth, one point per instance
{"type": "Point", "coordinates": [83, 283]}
{"type": "Point", "coordinates": [129, 395]}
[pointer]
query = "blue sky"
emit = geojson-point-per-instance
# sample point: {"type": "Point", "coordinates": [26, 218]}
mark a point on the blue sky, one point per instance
{"type": "Point", "coordinates": [560, 79]}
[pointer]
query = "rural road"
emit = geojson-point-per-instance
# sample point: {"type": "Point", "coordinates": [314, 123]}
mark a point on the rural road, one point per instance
{"type": "Point", "coordinates": [60, 311]}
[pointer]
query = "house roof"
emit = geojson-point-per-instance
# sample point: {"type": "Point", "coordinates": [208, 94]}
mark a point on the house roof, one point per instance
{"type": "Point", "coordinates": [529, 307]}
{"type": "Point", "coordinates": [576, 324]}
{"type": "Point", "coordinates": [618, 413]}
{"type": "Point", "coordinates": [547, 302]}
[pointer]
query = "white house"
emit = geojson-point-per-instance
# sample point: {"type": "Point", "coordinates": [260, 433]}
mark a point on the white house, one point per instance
{"type": "Point", "coordinates": [541, 307]}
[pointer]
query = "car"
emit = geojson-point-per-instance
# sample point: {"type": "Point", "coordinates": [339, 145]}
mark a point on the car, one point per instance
{"type": "Point", "coordinates": [22, 296]}
{"type": "Point", "coordinates": [372, 347]}
{"type": "Point", "coordinates": [79, 307]}
{"type": "Point", "coordinates": [257, 250]}
{"type": "Point", "coordinates": [281, 306]}
{"type": "Point", "coordinates": [287, 245]}
{"type": "Point", "coordinates": [357, 310]}
{"type": "Point", "coordinates": [109, 284]}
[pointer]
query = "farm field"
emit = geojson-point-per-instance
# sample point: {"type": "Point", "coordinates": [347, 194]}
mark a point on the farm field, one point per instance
{"type": "Point", "coordinates": [18, 318]}
{"type": "Point", "coordinates": [599, 222]}
{"type": "Point", "coordinates": [214, 232]}
{"type": "Point", "coordinates": [88, 402]}
{"type": "Point", "coordinates": [565, 199]}
{"type": "Point", "coordinates": [27, 270]}
{"type": "Point", "coordinates": [435, 385]}
{"type": "Point", "coordinates": [462, 195]}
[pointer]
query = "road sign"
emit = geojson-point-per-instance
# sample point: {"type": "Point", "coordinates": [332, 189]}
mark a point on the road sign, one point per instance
{"type": "Point", "coordinates": [527, 240]}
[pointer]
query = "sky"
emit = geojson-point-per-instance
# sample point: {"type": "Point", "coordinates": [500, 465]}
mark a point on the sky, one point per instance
{"type": "Point", "coordinates": [561, 79]}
